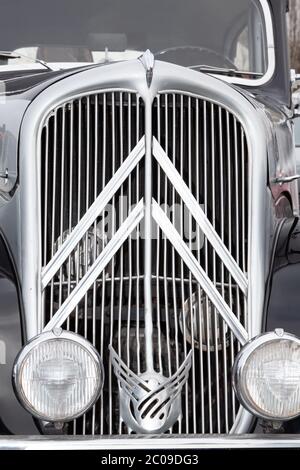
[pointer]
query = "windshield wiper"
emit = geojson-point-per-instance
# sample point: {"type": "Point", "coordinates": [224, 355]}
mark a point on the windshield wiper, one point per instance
{"type": "Point", "coordinates": [13, 55]}
{"type": "Point", "coordinates": [224, 71]}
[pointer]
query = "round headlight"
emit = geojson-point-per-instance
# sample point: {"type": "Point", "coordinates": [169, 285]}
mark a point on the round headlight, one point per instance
{"type": "Point", "coordinates": [266, 376]}
{"type": "Point", "coordinates": [58, 377]}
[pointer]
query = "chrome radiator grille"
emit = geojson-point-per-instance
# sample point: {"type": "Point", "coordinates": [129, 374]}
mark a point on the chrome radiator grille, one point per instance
{"type": "Point", "coordinates": [85, 144]}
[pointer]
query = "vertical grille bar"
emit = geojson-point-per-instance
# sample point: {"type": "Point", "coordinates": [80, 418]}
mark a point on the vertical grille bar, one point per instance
{"type": "Point", "coordinates": [237, 208]}
{"type": "Point", "coordinates": [130, 238]}
{"type": "Point", "coordinates": [138, 270]}
{"type": "Point", "coordinates": [45, 176]}
{"type": "Point", "coordinates": [214, 210]}
{"type": "Point", "coordinates": [79, 153]}
{"type": "Point", "coordinates": [222, 199]}
{"type": "Point", "coordinates": [229, 157]}
{"type": "Point", "coordinates": [95, 163]}
{"type": "Point", "coordinates": [54, 178]}
{"type": "Point", "coordinates": [103, 283]}
{"type": "Point", "coordinates": [71, 144]}
{"type": "Point", "coordinates": [200, 313]}
{"type": "Point", "coordinates": [158, 252]}
{"type": "Point", "coordinates": [112, 291]}
{"type": "Point", "coordinates": [174, 284]}
{"type": "Point", "coordinates": [165, 270]}
{"type": "Point", "coordinates": [244, 214]}
{"type": "Point", "coordinates": [193, 379]}
{"type": "Point", "coordinates": [182, 129]}
{"type": "Point", "coordinates": [206, 322]}
{"type": "Point", "coordinates": [62, 176]}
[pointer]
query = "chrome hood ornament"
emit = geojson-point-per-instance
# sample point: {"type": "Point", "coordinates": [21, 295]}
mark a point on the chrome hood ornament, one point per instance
{"type": "Point", "coordinates": [148, 62]}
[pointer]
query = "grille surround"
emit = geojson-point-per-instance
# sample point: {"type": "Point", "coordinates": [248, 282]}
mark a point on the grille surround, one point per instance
{"type": "Point", "coordinates": [225, 96]}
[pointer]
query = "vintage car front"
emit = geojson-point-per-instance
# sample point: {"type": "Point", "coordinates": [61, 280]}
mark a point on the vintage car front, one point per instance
{"type": "Point", "coordinates": [148, 213]}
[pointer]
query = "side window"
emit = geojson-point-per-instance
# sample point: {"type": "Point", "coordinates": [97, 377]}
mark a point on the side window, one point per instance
{"type": "Point", "coordinates": [247, 42]}
{"type": "Point", "coordinates": [242, 59]}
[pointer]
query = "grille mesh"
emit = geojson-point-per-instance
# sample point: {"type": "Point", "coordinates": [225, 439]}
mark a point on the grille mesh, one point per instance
{"type": "Point", "coordinates": [84, 142]}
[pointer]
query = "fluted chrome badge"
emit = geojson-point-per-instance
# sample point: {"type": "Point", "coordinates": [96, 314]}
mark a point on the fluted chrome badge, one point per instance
{"type": "Point", "coordinates": [150, 403]}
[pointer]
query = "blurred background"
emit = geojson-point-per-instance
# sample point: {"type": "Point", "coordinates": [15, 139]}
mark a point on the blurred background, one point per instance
{"type": "Point", "coordinates": [294, 32]}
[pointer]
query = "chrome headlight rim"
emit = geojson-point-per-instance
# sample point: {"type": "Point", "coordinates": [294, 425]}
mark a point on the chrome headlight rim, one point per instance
{"type": "Point", "coordinates": [57, 334]}
{"type": "Point", "coordinates": [239, 367]}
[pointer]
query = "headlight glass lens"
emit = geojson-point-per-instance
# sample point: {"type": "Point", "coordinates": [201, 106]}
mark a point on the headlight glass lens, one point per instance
{"type": "Point", "coordinates": [269, 381]}
{"type": "Point", "coordinates": [59, 378]}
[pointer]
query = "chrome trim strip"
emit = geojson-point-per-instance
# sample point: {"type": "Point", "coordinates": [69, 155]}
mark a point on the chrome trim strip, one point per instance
{"type": "Point", "coordinates": [249, 441]}
{"type": "Point", "coordinates": [101, 262]}
{"type": "Point", "coordinates": [94, 211]}
{"type": "Point", "coordinates": [199, 274]}
{"type": "Point", "coordinates": [199, 216]}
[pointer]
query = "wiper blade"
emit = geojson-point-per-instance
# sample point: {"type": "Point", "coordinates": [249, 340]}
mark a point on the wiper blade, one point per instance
{"type": "Point", "coordinates": [13, 55]}
{"type": "Point", "coordinates": [225, 71]}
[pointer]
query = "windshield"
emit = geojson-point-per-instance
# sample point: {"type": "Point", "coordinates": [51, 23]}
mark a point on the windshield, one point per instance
{"type": "Point", "coordinates": [227, 34]}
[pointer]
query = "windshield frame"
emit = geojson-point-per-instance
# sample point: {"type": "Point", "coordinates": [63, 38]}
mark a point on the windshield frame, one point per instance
{"type": "Point", "coordinates": [270, 46]}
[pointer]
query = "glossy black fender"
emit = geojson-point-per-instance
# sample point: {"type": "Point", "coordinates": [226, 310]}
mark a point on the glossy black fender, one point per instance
{"type": "Point", "coordinates": [283, 290]}
{"type": "Point", "coordinates": [13, 417]}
